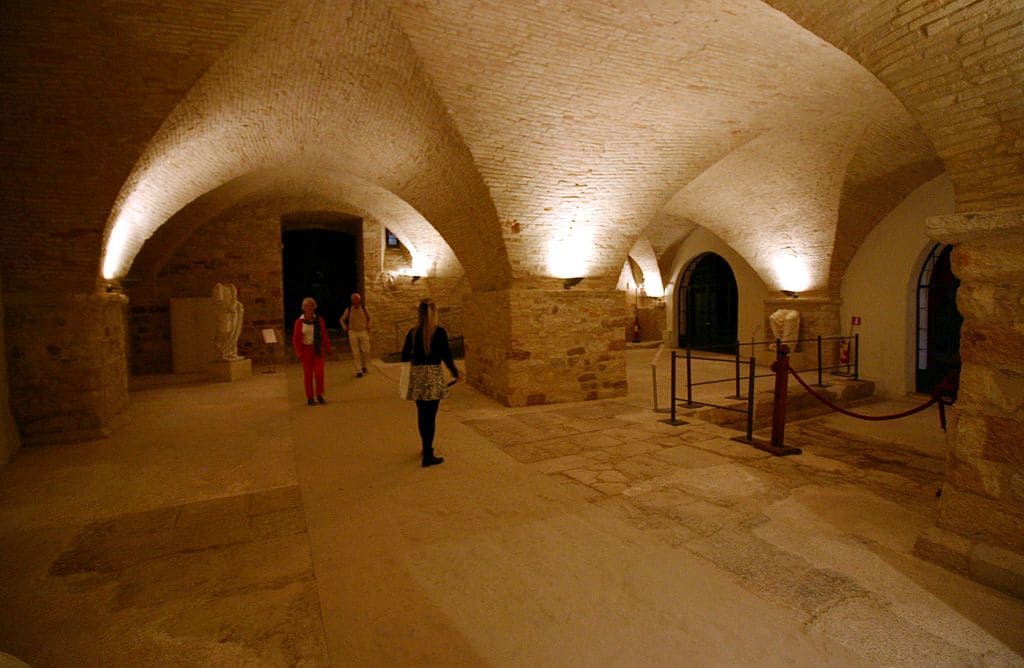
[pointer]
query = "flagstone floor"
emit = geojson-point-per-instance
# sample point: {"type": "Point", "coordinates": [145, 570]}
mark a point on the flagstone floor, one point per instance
{"type": "Point", "coordinates": [230, 524]}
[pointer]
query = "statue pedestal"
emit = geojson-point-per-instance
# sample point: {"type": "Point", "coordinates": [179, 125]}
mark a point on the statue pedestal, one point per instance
{"type": "Point", "coordinates": [229, 370]}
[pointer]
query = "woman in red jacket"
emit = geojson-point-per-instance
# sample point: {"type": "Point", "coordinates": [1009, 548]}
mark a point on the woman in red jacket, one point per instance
{"type": "Point", "coordinates": [309, 339]}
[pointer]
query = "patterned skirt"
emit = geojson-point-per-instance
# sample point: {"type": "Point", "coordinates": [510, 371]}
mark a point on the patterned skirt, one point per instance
{"type": "Point", "coordinates": [427, 383]}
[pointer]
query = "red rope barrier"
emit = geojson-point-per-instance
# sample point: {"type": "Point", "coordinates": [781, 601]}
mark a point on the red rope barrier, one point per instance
{"type": "Point", "coordinates": [859, 415]}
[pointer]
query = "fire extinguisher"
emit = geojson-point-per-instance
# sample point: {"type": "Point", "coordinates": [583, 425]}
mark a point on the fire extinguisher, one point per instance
{"type": "Point", "coordinates": [844, 351]}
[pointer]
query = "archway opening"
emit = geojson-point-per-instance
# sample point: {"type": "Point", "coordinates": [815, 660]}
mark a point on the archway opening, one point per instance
{"type": "Point", "coordinates": [938, 320]}
{"type": "Point", "coordinates": [322, 262]}
{"type": "Point", "coordinates": [708, 305]}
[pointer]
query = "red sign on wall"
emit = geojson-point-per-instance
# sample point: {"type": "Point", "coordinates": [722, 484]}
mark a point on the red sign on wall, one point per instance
{"type": "Point", "coordinates": [855, 320]}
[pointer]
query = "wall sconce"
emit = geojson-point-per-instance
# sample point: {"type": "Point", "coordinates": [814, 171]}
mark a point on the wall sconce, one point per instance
{"type": "Point", "coordinates": [415, 278]}
{"type": "Point", "coordinates": [571, 282]}
{"type": "Point", "coordinates": [791, 294]}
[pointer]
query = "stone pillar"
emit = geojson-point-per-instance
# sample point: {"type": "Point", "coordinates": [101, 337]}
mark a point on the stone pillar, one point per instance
{"type": "Point", "coordinates": [818, 317]}
{"type": "Point", "coordinates": [67, 367]}
{"type": "Point", "coordinates": [979, 530]}
{"type": "Point", "coordinates": [536, 346]}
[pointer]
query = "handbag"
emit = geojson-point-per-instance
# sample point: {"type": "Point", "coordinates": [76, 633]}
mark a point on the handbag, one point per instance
{"type": "Point", "coordinates": [403, 380]}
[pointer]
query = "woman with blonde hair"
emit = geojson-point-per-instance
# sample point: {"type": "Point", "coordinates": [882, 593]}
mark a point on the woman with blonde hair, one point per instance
{"type": "Point", "coordinates": [426, 348]}
{"type": "Point", "coordinates": [311, 345]}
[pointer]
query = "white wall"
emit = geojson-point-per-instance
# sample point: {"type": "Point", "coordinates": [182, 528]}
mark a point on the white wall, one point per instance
{"type": "Point", "coordinates": [880, 286]}
{"type": "Point", "coordinates": [750, 286]}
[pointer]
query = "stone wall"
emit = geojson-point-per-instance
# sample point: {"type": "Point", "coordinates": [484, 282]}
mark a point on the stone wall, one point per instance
{"type": "Point", "coordinates": [10, 441]}
{"type": "Point", "coordinates": [67, 364]}
{"type": "Point", "coordinates": [980, 525]}
{"type": "Point", "coordinates": [546, 346]}
{"type": "Point", "coordinates": [243, 247]}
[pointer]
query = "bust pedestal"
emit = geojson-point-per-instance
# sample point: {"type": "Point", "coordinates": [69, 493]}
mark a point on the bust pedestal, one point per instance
{"type": "Point", "coordinates": [229, 370]}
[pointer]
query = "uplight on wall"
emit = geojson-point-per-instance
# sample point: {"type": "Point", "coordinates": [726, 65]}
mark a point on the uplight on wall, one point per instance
{"type": "Point", "coordinates": [792, 274]}
{"type": "Point", "coordinates": [569, 251]}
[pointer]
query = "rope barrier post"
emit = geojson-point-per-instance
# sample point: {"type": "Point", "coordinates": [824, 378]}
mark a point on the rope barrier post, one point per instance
{"type": "Point", "coordinates": [781, 368]}
{"type": "Point", "coordinates": [672, 412]}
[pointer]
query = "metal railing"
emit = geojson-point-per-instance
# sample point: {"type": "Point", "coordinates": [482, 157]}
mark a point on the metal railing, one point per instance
{"type": "Point", "coordinates": [851, 367]}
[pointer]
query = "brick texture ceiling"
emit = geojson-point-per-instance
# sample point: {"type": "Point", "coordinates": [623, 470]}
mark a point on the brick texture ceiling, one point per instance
{"type": "Point", "coordinates": [492, 131]}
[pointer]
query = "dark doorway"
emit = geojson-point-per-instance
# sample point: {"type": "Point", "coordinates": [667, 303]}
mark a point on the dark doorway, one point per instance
{"type": "Point", "coordinates": [321, 264]}
{"type": "Point", "coordinates": [708, 305]}
{"type": "Point", "coordinates": [938, 320]}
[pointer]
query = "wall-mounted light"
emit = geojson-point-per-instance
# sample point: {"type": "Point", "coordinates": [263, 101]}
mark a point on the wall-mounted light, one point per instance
{"type": "Point", "coordinates": [791, 294]}
{"type": "Point", "coordinates": [571, 282]}
{"type": "Point", "coordinates": [415, 278]}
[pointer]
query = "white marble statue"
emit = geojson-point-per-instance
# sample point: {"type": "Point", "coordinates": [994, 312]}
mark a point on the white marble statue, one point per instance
{"type": "Point", "coordinates": [785, 324]}
{"type": "Point", "coordinates": [229, 312]}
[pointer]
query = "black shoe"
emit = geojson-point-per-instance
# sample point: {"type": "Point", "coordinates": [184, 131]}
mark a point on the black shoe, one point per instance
{"type": "Point", "coordinates": [320, 399]}
{"type": "Point", "coordinates": [359, 374]}
{"type": "Point", "coordinates": [310, 402]}
{"type": "Point", "coordinates": [432, 461]}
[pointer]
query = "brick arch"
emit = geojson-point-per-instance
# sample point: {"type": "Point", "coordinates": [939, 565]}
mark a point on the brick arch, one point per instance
{"type": "Point", "coordinates": [956, 68]}
{"type": "Point", "coordinates": [326, 190]}
{"type": "Point", "coordinates": [329, 86]}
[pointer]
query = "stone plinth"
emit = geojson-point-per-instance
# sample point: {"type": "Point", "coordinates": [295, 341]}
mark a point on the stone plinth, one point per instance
{"type": "Point", "coordinates": [537, 346]}
{"type": "Point", "coordinates": [980, 525]}
{"type": "Point", "coordinates": [225, 371]}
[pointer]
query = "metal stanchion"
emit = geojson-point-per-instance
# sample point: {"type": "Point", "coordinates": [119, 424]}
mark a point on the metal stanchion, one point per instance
{"type": "Point", "coordinates": [672, 411]}
{"type": "Point", "coordinates": [856, 355]}
{"type": "Point", "coordinates": [689, 375]}
{"type": "Point", "coordinates": [819, 362]}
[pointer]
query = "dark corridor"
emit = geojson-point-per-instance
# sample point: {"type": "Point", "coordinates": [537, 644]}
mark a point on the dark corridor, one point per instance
{"type": "Point", "coordinates": [321, 264]}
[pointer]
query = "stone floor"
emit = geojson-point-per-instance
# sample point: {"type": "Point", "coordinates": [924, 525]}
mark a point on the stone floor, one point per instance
{"type": "Point", "coordinates": [230, 524]}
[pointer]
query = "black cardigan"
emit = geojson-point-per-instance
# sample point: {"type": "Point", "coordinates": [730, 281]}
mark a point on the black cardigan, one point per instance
{"type": "Point", "coordinates": [413, 352]}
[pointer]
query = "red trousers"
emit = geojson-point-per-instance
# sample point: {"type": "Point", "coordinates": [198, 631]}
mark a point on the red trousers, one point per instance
{"type": "Point", "coordinates": [312, 368]}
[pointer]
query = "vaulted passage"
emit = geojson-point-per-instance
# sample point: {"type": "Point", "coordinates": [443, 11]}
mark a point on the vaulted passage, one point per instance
{"type": "Point", "coordinates": [572, 185]}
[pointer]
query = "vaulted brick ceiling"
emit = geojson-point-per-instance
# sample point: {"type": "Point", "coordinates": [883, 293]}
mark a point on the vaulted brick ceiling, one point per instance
{"type": "Point", "coordinates": [510, 127]}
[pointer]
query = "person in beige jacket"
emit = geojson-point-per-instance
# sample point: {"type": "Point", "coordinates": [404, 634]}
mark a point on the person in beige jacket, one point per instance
{"type": "Point", "coordinates": [356, 323]}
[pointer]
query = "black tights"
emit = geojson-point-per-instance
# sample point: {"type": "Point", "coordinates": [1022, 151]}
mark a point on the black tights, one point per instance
{"type": "Point", "coordinates": [426, 420]}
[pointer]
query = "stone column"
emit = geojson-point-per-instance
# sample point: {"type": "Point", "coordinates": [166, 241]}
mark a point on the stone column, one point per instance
{"type": "Point", "coordinates": [537, 346]}
{"type": "Point", "coordinates": [979, 530]}
{"type": "Point", "coordinates": [67, 367]}
{"type": "Point", "coordinates": [818, 317]}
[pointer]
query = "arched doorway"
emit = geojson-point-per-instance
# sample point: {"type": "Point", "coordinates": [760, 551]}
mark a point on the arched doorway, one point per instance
{"type": "Point", "coordinates": [938, 320]}
{"type": "Point", "coordinates": [708, 305]}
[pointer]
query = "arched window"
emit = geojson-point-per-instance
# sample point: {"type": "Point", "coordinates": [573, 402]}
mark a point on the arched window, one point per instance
{"type": "Point", "coordinates": [708, 305]}
{"type": "Point", "coordinates": [938, 320]}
